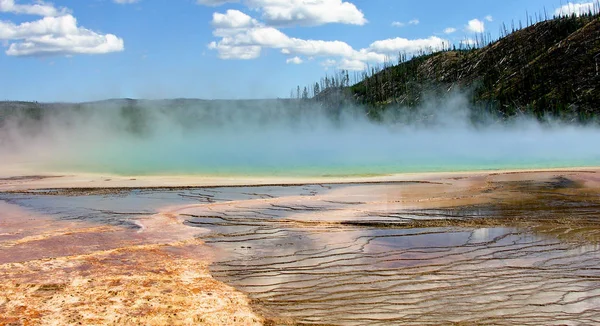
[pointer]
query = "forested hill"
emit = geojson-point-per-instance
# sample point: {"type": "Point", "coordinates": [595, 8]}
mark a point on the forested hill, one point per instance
{"type": "Point", "coordinates": [549, 68]}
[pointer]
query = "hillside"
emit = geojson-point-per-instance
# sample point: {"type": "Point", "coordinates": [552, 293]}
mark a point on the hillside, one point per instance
{"type": "Point", "coordinates": [549, 68]}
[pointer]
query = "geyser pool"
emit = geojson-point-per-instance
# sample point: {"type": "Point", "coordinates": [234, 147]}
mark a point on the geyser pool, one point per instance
{"type": "Point", "coordinates": [276, 138]}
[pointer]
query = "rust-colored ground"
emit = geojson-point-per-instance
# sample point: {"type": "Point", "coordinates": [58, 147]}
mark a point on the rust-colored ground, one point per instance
{"type": "Point", "coordinates": [66, 273]}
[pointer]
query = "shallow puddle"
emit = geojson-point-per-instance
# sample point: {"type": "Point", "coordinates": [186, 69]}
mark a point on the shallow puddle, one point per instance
{"type": "Point", "coordinates": [366, 276]}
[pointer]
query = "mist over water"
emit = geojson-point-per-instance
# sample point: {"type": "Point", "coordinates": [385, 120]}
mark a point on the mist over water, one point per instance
{"type": "Point", "coordinates": [283, 138]}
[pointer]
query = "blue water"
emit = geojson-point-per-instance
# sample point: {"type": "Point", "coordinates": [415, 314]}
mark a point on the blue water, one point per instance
{"type": "Point", "coordinates": [371, 151]}
{"type": "Point", "coordinates": [270, 139]}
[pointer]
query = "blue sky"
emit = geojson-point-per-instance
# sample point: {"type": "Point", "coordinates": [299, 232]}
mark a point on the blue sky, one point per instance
{"type": "Point", "coordinates": [77, 50]}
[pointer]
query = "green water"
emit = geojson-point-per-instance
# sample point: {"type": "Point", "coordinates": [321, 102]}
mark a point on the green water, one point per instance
{"type": "Point", "coordinates": [289, 169]}
{"type": "Point", "coordinates": [353, 151]}
{"type": "Point", "coordinates": [276, 139]}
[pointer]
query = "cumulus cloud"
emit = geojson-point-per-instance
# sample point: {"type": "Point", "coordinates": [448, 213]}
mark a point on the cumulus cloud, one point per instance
{"type": "Point", "coordinates": [308, 13]}
{"type": "Point", "coordinates": [270, 37]}
{"type": "Point", "coordinates": [476, 26]}
{"type": "Point", "coordinates": [410, 22]}
{"type": "Point", "coordinates": [242, 52]}
{"type": "Point", "coordinates": [396, 45]}
{"type": "Point", "coordinates": [328, 63]}
{"type": "Point", "coordinates": [577, 9]}
{"type": "Point", "coordinates": [294, 60]}
{"type": "Point", "coordinates": [39, 8]}
{"type": "Point", "coordinates": [301, 12]}
{"type": "Point", "coordinates": [233, 19]}
{"type": "Point", "coordinates": [351, 64]}
{"type": "Point", "coordinates": [242, 37]}
{"type": "Point", "coordinates": [56, 33]}
{"type": "Point", "coordinates": [489, 18]}
{"type": "Point", "coordinates": [449, 30]}
{"type": "Point", "coordinates": [248, 43]}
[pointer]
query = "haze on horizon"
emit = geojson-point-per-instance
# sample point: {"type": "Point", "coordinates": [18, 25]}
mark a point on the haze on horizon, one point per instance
{"type": "Point", "coordinates": [284, 138]}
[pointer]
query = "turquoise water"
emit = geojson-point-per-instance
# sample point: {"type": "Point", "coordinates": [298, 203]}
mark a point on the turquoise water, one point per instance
{"type": "Point", "coordinates": [233, 138]}
{"type": "Point", "coordinates": [308, 171]}
{"type": "Point", "coordinates": [334, 153]}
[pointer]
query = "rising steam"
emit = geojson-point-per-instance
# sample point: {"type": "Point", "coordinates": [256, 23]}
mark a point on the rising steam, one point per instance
{"type": "Point", "coordinates": [280, 137]}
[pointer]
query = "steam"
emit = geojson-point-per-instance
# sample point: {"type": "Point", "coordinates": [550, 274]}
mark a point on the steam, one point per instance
{"type": "Point", "coordinates": [281, 137]}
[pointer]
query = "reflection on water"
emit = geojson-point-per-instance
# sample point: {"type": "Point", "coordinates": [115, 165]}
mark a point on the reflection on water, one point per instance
{"type": "Point", "coordinates": [371, 276]}
{"type": "Point", "coordinates": [304, 258]}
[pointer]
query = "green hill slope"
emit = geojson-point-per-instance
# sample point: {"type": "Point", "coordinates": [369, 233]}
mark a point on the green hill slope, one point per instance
{"type": "Point", "coordinates": [549, 68]}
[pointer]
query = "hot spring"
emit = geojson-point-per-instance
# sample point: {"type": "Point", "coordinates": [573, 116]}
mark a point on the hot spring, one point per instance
{"type": "Point", "coordinates": [280, 137]}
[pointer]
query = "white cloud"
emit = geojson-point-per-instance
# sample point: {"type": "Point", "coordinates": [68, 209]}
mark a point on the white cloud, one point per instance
{"type": "Point", "coordinates": [352, 64]}
{"type": "Point", "coordinates": [476, 26]}
{"type": "Point", "coordinates": [242, 37]}
{"type": "Point", "coordinates": [308, 13]}
{"type": "Point", "coordinates": [489, 18]}
{"type": "Point", "coordinates": [123, 2]}
{"type": "Point", "coordinates": [247, 42]}
{"type": "Point", "coordinates": [237, 29]}
{"type": "Point", "coordinates": [39, 8]}
{"type": "Point", "coordinates": [46, 25]}
{"type": "Point", "coordinates": [328, 63]}
{"type": "Point", "coordinates": [396, 45]}
{"type": "Point", "coordinates": [245, 52]}
{"type": "Point", "coordinates": [56, 33]}
{"type": "Point", "coordinates": [294, 60]}
{"type": "Point", "coordinates": [233, 19]}
{"type": "Point", "coordinates": [410, 22]}
{"type": "Point", "coordinates": [270, 37]}
{"type": "Point", "coordinates": [449, 30]}
{"type": "Point", "coordinates": [301, 12]}
{"type": "Point", "coordinates": [577, 9]}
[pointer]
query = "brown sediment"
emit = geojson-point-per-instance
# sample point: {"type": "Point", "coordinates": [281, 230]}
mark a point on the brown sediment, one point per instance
{"type": "Point", "coordinates": [65, 273]}
{"type": "Point", "coordinates": [150, 285]}
{"type": "Point", "coordinates": [446, 248]}
{"type": "Point", "coordinates": [25, 178]}
{"type": "Point", "coordinates": [102, 191]}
